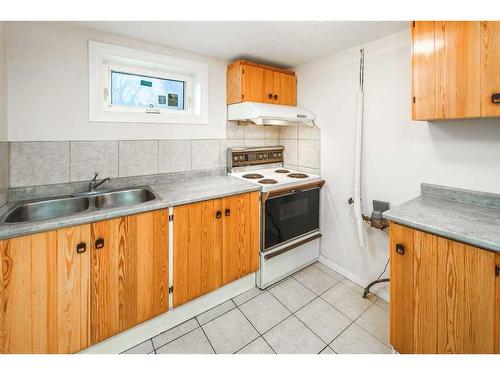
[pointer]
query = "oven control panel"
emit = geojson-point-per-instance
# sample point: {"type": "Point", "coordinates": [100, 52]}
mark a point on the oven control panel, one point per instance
{"type": "Point", "coordinates": [241, 157]}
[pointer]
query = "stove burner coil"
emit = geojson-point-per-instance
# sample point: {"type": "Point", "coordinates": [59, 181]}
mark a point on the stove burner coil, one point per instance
{"type": "Point", "coordinates": [281, 171]}
{"type": "Point", "coordinates": [267, 181]}
{"type": "Point", "coordinates": [297, 175]}
{"type": "Point", "coordinates": [252, 175]}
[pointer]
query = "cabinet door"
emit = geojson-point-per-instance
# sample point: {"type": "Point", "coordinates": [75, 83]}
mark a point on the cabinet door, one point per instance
{"type": "Point", "coordinates": [490, 67]}
{"type": "Point", "coordinates": [129, 282]}
{"type": "Point", "coordinates": [270, 87]}
{"type": "Point", "coordinates": [44, 295]}
{"type": "Point", "coordinates": [401, 320]}
{"type": "Point", "coordinates": [287, 91]}
{"type": "Point", "coordinates": [454, 299]}
{"type": "Point", "coordinates": [253, 84]}
{"type": "Point", "coordinates": [240, 251]}
{"type": "Point", "coordinates": [458, 72]}
{"type": "Point", "coordinates": [197, 250]}
{"type": "Point", "coordinates": [423, 59]}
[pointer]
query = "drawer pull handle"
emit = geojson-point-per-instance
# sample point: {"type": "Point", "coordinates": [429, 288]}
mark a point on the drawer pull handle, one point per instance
{"type": "Point", "coordinates": [218, 214]}
{"type": "Point", "coordinates": [81, 247]}
{"type": "Point", "coordinates": [270, 96]}
{"type": "Point", "coordinates": [400, 249]}
{"type": "Point", "coordinates": [99, 243]}
{"type": "Point", "coordinates": [495, 98]}
{"type": "Point", "coordinates": [227, 212]}
{"type": "Point", "coordinates": [275, 97]}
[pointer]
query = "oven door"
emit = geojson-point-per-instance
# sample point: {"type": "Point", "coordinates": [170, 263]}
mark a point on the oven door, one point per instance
{"type": "Point", "coordinates": [289, 215]}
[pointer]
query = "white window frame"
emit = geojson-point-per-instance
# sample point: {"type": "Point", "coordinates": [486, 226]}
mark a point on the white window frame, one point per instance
{"type": "Point", "coordinates": [103, 58]}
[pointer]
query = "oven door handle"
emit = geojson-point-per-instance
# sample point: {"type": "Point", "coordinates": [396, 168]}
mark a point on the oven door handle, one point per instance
{"type": "Point", "coordinates": [281, 193]}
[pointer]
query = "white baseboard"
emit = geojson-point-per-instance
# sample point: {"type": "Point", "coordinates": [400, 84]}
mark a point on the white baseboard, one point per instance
{"type": "Point", "coordinates": [171, 318]}
{"type": "Point", "coordinates": [361, 281]}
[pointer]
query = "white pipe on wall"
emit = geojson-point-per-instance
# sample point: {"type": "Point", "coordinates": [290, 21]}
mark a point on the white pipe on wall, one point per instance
{"type": "Point", "coordinates": [357, 164]}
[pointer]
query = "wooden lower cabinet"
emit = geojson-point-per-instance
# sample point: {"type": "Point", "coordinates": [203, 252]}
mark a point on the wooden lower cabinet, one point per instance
{"type": "Point", "coordinates": [129, 272]}
{"type": "Point", "coordinates": [61, 291]}
{"type": "Point", "coordinates": [44, 292]}
{"type": "Point", "coordinates": [215, 242]}
{"type": "Point", "coordinates": [445, 295]}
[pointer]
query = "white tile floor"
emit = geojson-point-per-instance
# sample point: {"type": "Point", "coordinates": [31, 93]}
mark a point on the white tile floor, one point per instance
{"type": "Point", "coordinates": [313, 311]}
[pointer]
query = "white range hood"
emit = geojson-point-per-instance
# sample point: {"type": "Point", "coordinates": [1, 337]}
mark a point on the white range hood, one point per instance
{"type": "Point", "coordinates": [269, 114]}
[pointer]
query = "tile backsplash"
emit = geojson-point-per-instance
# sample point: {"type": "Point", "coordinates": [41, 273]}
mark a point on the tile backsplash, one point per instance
{"type": "Point", "coordinates": [43, 163]}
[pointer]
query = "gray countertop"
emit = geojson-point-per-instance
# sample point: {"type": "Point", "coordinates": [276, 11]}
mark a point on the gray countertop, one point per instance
{"type": "Point", "coordinates": [462, 215]}
{"type": "Point", "coordinates": [168, 194]}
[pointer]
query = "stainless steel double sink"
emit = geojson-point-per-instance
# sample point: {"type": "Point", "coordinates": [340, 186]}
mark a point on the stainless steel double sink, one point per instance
{"type": "Point", "coordinates": [51, 208]}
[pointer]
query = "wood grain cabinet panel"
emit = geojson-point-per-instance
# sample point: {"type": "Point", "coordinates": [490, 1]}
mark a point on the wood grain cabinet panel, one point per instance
{"type": "Point", "coordinates": [44, 295]}
{"type": "Point", "coordinates": [455, 296]}
{"type": "Point", "coordinates": [197, 250]}
{"type": "Point", "coordinates": [455, 67]}
{"type": "Point", "coordinates": [247, 81]}
{"type": "Point", "coordinates": [490, 67]}
{"type": "Point", "coordinates": [423, 67]}
{"type": "Point", "coordinates": [402, 290]}
{"type": "Point", "coordinates": [129, 272]}
{"type": "Point", "coordinates": [240, 252]}
{"type": "Point", "coordinates": [287, 89]}
{"type": "Point", "coordinates": [457, 70]}
{"type": "Point", "coordinates": [215, 242]}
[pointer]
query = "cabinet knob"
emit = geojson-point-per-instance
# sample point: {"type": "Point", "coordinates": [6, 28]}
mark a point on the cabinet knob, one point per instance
{"type": "Point", "coordinates": [99, 243]}
{"type": "Point", "coordinates": [227, 212]}
{"type": "Point", "coordinates": [495, 98]}
{"type": "Point", "coordinates": [81, 247]}
{"type": "Point", "coordinates": [400, 249]}
{"type": "Point", "coordinates": [270, 96]}
{"type": "Point", "coordinates": [275, 97]}
{"type": "Point", "coordinates": [218, 214]}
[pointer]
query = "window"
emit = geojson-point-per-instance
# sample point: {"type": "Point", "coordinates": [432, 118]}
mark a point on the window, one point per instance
{"type": "Point", "coordinates": [128, 85]}
{"type": "Point", "coordinates": [139, 91]}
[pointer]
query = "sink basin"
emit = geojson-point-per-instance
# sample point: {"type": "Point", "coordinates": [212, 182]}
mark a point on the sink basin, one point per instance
{"type": "Point", "coordinates": [47, 209]}
{"type": "Point", "coordinates": [122, 198]}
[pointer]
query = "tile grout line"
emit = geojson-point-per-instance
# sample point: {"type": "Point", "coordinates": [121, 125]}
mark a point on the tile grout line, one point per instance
{"type": "Point", "coordinates": [260, 334]}
{"type": "Point", "coordinates": [293, 314]}
{"type": "Point", "coordinates": [209, 342]}
{"type": "Point", "coordinates": [184, 334]}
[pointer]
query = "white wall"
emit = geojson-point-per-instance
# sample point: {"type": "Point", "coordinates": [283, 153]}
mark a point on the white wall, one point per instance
{"type": "Point", "coordinates": [3, 83]}
{"type": "Point", "coordinates": [399, 154]}
{"type": "Point", "coordinates": [48, 87]}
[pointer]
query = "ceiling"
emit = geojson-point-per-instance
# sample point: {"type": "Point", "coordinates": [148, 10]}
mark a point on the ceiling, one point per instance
{"type": "Point", "coordinates": [283, 43]}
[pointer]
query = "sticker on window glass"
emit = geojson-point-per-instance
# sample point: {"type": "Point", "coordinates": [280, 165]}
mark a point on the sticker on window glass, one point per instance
{"type": "Point", "coordinates": [173, 100]}
{"type": "Point", "coordinates": [146, 83]}
{"type": "Point", "coordinates": [162, 99]}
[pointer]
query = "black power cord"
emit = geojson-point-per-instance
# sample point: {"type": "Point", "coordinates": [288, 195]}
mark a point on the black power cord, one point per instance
{"type": "Point", "coordinates": [379, 280]}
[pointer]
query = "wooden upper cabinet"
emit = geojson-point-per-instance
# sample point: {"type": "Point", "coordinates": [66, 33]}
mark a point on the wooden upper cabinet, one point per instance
{"type": "Point", "coordinates": [44, 292]}
{"type": "Point", "coordinates": [129, 272]}
{"type": "Point", "coordinates": [490, 63]}
{"type": "Point", "coordinates": [215, 242]}
{"type": "Point", "coordinates": [445, 295]}
{"type": "Point", "coordinates": [423, 59]}
{"type": "Point", "coordinates": [455, 69]}
{"type": "Point", "coordinates": [251, 82]}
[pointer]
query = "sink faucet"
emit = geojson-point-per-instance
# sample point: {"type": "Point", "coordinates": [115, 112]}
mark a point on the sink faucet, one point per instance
{"type": "Point", "coordinates": [94, 184]}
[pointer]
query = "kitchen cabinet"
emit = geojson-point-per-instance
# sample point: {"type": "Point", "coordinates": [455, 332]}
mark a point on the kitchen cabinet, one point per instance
{"type": "Point", "coordinates": [445, 295]}
{"type": "Point", "coordinates": [45, 292]}
{"type": "Point", "coordinates": [215, 242]}
{"type": "Point", "coordinates": [129, 272]}
{"type": "Point", "coordinates": [251, 82]}
{"type": "Point", "coordinates": [490, 62]}
{"type": "Point", "coordinates": [455, 71]}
